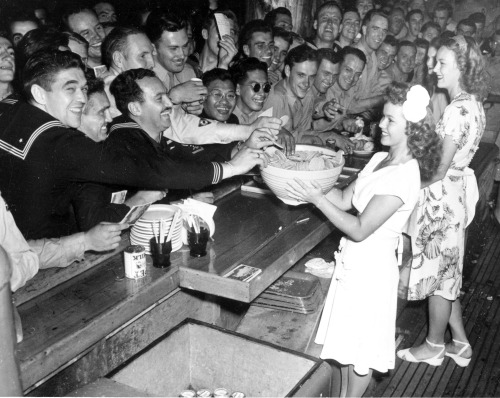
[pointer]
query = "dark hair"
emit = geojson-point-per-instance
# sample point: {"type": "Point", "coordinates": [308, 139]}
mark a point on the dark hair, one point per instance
{"type": "Point", "coordinates": [444, 6]}
{"type": "Point", "coordinates": [44, 38]}
{"type": "Point", "coordinates": [94, 85]}
{"type": "Point", "coordinates": [284, 34]}
{"type": "Point", "coordinates": [158, 23]}
{"type": "Point", "coordinates": [391, 40]}
{"type": "Point", "coordinates": [329, 54]}
{"type": "Point", "coordinates": [422, 43]}
{"type": "Point", "coordinates": [216, 74]}
{"type": "Point", "coordinates": [351, 9]}
{"type": "Point", "coordinates": [327, 4]}
{"type": "Point", "coordinates": [76, 37]}
{"type": "Point", "coordinates": [74, 8]}
{"type": "Point", "coordinates": [239, 70]}
{"type": "Point", "coordinates": [399, 9]}
{"type": "Point", "coordinates": [469, 23]}
{"type": "Point", "coordinates": [430, 24]}
{"type": "Point", "coordinates": [256, 25]}
{"type": "Point", "coordinates": [412, 13]}
{"type": "Point", "coordinates": [126, 90]}
{"type": "Point", "coordinates": [423, 142]}
{"type": "Point", "coordinates": [270, 17]}
{"type": "Point", "coordinates": [447, 34]}
{"type": "Point", "coordinates": [348, 50]}
{"type": "Point", "coordinates": [300, 54]}
{"type": "Point", "coordinates": [406, 43]}
{"type": "Point", "coordinates": [477, 17]}
{"type": "Point", "coordinates": [116, 41]}
{"type": "Point", "coordinates": [22, 16]}
{"type": "Point", "coordinates": [470, 61]}
{"type": "Point", "coordinates": [371, 14]}
{"type": "Point", "coordinates": [42, 67]}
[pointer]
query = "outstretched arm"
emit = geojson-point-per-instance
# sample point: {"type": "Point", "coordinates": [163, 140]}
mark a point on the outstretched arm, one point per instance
{"type": "Point", "coordinates": [358, 228]}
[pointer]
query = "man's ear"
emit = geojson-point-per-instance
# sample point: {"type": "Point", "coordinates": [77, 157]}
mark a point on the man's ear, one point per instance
{"type": "Point", "coordinates": [287, 70]}
{"type": "Point", "coordinates": [134, 108]}
{"type": "Point", "coordinates": [204, 34]}
{"type": "Point", "coordinates": [363, 29]}
{"type": "Point", "coordinates": [38, 94]}
{"type": "Point", "coordinates": [246, 50]}
{"type": "Point", "coordinates": [118, 60]}
{"type": "Point", "coordinates": [315, 24]}
{"type": "Point", "coordinates": [238, 92]}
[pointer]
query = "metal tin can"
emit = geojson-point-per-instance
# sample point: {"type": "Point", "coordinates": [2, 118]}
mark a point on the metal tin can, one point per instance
{"type": "Point", "coordinates": [204, 393]}
{"type": "Point", "coordinates": [135, 262]}
{"type": "Point", "coordinates": [188, 394]}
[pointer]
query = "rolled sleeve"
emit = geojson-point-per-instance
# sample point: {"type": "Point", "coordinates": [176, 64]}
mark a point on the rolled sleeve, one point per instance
{"type": "Point", "coordinates": [59, 252]}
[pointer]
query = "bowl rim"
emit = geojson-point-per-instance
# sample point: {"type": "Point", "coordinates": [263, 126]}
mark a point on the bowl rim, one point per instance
{"type": "Point", "coordinates": [306, 147]}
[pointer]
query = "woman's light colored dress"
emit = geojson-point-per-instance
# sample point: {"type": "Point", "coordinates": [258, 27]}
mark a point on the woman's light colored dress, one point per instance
{"type": "Point", "coordinates": [446, 207]}
{"type": "Point", "coordinates": [359, 319]}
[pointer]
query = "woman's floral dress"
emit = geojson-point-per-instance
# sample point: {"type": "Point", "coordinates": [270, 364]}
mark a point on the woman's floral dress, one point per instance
{"type": "Point", "coordinates": [447, 207]}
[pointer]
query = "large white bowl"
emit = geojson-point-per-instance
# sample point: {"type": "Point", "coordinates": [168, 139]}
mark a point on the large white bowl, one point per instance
{"type": "Point", "coordinates": [277, 178]}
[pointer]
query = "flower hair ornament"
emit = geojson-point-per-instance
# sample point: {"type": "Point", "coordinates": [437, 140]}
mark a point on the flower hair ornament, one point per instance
{"type": "Point", "coordinates": [415, 106]}
{"type": "Point", "coordinates": [462, 44]}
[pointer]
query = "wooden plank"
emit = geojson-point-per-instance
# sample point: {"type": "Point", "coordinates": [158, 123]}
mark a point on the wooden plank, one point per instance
{"type": "Point", "coordinates": [55, 334]}
{"type": "Point", "coordinates": [50, 279]}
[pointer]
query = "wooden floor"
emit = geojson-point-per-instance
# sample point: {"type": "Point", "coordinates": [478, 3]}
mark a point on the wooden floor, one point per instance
{"type": "Point", "coordinates": [481, 311]}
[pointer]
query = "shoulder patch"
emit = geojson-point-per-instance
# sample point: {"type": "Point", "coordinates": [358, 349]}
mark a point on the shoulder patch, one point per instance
{"type": "Point", "coordinates": [204, 122]}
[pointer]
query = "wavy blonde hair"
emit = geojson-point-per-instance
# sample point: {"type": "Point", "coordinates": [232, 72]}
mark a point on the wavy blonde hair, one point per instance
{"type": "Point", "coordinates": [470, 61]}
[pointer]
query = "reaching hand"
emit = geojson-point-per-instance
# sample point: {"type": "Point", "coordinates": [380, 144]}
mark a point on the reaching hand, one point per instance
{"type": "Point", "coordinates": [286, 140]}
{"type": "Point", "coordinates": [247, 158]}
{"type": "Point", "coordinates": [260, 139]}
{"type": "Point", "coordinates": [206, 197]}
{"type": "Point", "coordinates": [227, 51]}
{"type": "Point", "coordinates": [306, 192]}
{"type": "Point", "coordinates": [342, 142]}
{"type": "Point", "coordinates": [272, 123]}
{"type": "Point", "coordinates": [104, 237]}
{"type": "Point", "coordinates": [194, 108]}
{"type": "Point", "coordinates": [333, 110]}
{"type": "Point", "coordinates": [189, 91]}
{"type": "Point", "coordinates": [350, 125]}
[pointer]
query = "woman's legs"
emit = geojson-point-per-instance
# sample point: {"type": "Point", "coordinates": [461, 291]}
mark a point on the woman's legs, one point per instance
{"type": "Point", "coordinates": [458, 331]}
{"type": "Point", "coordinates": [357, 384]}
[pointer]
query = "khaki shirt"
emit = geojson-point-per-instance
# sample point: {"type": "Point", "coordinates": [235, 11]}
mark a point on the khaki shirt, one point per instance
{"type": "Point", "coordinates": [244, 118]}
{"type": "Point", "coordinates": [284, 102]}
{"type": "Point", "coordinates": [170, 79]}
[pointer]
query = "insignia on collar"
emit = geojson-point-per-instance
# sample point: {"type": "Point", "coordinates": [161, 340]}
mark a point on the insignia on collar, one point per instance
{"type": "Point", "coordinates": [204, 122]}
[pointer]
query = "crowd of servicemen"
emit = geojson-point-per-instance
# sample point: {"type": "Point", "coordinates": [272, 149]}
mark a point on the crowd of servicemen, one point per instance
{"type": "Point", "coordinates": [158, 101]}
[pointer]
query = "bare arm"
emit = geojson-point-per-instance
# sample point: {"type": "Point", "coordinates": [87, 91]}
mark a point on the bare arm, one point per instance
{"type": "Point", "coordinates": [377, 212]}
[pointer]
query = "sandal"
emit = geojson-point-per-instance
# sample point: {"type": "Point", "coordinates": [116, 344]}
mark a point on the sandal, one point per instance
{"type": "Point", "coordinates": [436, 360]}
{"type": "Point", "coordinates": [458, 358]}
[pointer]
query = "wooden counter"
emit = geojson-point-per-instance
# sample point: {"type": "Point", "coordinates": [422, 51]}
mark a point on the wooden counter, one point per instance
{"type": "Point", "coordinates": [85, 327]}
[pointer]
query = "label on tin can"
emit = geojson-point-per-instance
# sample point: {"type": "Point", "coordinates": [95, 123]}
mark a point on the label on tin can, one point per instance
{"type": "Point", "coordinates": [135, 262]}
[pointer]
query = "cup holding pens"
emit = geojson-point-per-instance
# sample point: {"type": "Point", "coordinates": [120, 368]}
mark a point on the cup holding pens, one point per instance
{"type": "Point", "coordinates": [198, 234]}
{"type": "Point", "coordinates": [160, 252]}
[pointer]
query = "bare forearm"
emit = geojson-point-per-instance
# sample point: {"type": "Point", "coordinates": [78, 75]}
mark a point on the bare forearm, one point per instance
{"type": "Point", "coordinates": [347, 223]}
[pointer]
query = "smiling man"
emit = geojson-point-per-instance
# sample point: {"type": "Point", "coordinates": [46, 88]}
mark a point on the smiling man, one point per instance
{"type": "Point", "coordinates": [293, 95]}
{"type": "Point", "coordinates": [387, 52]}
{"type": "Point", "coordinates": [351, 24]}
{"type": "Point", "coordinates": [369, 89]}
{"type": "Point", "coordinates": [84, 21]}
{"type": "Point", "coordinates": [415, 19]}
{"type": "Point", "coordinates": [256, 40]}
{"type": "Point", "coordinates": [168, 33]}
{"type": "Point", "coordinates": [335, 110]}
{"type": "Point", "coordinates": [404, 63]}
{"type": "Point", "coordinates": [327, 23]}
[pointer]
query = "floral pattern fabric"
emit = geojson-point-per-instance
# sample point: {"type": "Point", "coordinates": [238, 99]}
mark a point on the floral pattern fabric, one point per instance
{"type": "Point", "coordinates": [445, 208]}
